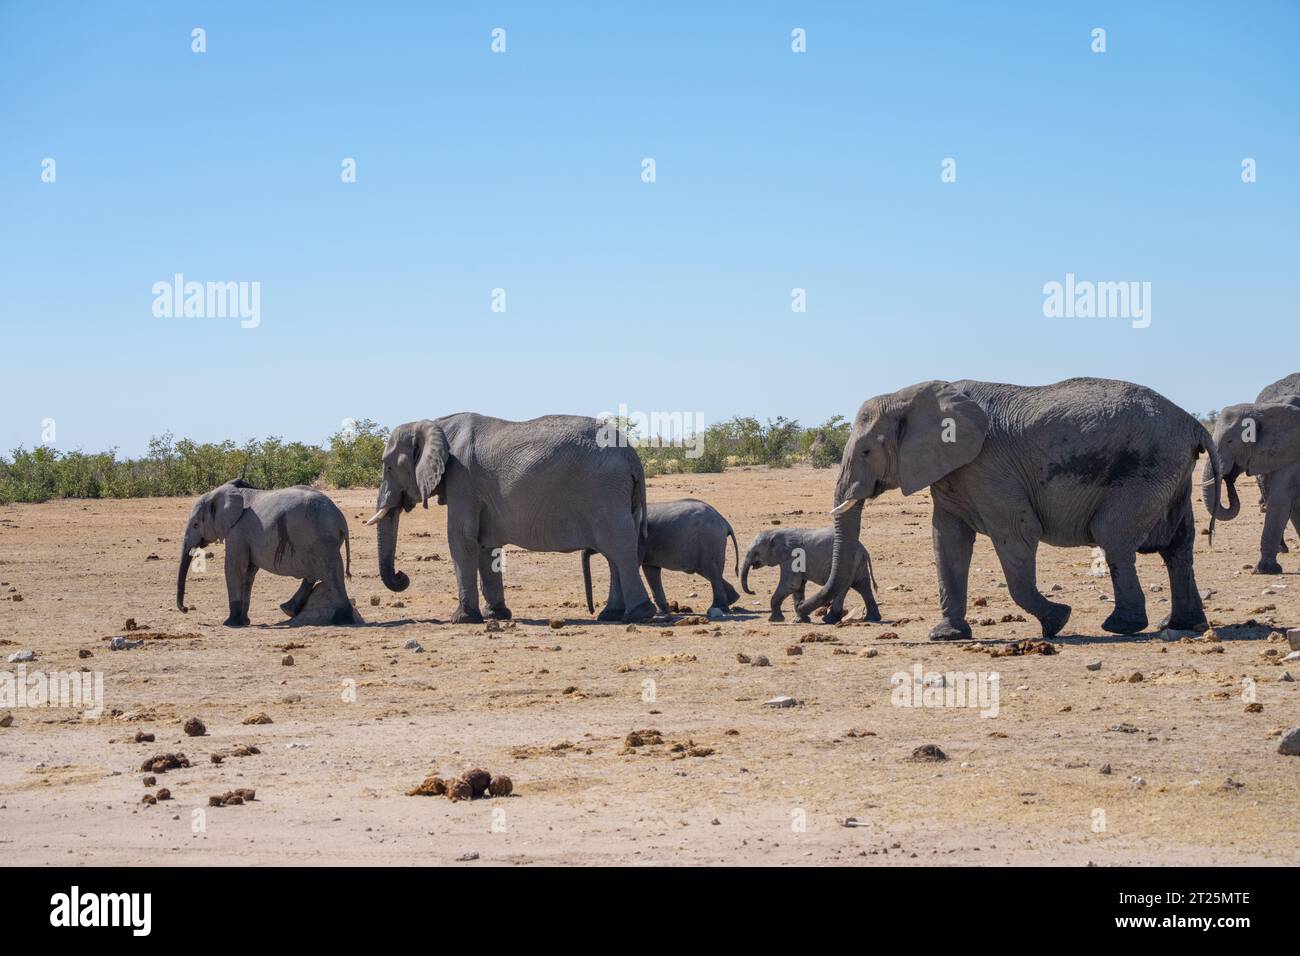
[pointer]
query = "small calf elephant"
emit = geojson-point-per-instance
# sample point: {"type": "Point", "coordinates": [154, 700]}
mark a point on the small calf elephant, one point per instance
{"type": "Point", "coordinates": [804, 554]}
{"type": "Point", "coordinates": [687, 535]}
{"type": "Point", "coordinates": [291, 531]}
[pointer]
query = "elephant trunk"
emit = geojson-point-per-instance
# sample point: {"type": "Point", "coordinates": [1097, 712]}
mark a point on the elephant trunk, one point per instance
{"type": "Point", "coordinates": [848, 523]}
{"type": "Point", "coordinates": [387, 525]}
{"type": "Point", "coordinates": [744, 571]}
{"type": "Point", "coordinates": [186, 558]}
{"type": "Point", "coordinates": [1210, 496]}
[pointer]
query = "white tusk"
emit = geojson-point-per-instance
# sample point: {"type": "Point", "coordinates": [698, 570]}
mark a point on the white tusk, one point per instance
{"type": "Point", "coordinates": [378, 514]}
{"type": "Point", "coordinates": [845, 505]}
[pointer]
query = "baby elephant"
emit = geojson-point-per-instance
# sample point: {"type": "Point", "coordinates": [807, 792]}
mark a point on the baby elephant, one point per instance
{"type": "Point", "coordinates": [804, 554]}
{"type": "Point", "coordinates": [293, 531]}
{"type": "Point", "coordinates": [686, 535]}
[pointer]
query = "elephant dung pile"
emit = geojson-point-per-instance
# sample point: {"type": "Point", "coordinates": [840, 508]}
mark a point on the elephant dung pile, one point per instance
{"type": "Point", "coordinates": [471, 785]}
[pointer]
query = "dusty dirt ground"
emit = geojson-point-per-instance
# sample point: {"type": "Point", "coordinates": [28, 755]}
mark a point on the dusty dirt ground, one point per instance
{"type": "Point", "coordinates": [551, 709]}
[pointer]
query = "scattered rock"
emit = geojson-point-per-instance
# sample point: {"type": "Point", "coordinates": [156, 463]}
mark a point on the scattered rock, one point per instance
{"type": "Point", "coordinates": [1094, 666]}
{"type": "Point", "coordinates": [287, 660]}
{"type": "Point", "coordinates": [1290, 745]}
{"type": "Point", "coordinates": [717, 614]}
{"type": "Point", "coordinates": [743, 659]}
{"type": "Point", "coordinates": [120, 643]}
{"type": "Point", "coordinates": [928, 753]}
{"type": "Point", "coordinates": [762, 661]}
{"type": "Point", "coordinates": [467, 857]}
{"type": "Point", "coordinates": [260, 717]}
{"type": "Point", "coordinates": [780, 701]}
{"type": "Point", "coordinates": [22, 657]}
{"type": "Point", "coordinates": [83, 654]}
{"type": "Point", "coordinates": [414, 645]}
{"type": "Point", "coordinates": [1105, 769]}
{"type": "Point", "coordinates": [794, 650]}
{"type": "Point", "coordinates": [143, 738]}
{"type": "Point", "coordinates": [194, 727]}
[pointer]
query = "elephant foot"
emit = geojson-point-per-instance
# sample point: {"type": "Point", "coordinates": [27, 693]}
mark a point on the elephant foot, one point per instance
{"type": "Point", "coordinates": [644, 611]}
{"type": "Point", "coordinates": [342, 615]}
{"type": "Point", "coordinates": [611, 614]}
{"type": "Point", "coordinates": [1195, 621]}
{"type": "Point", "coordinates": [233, 621]}
{"type": "Point", "coordinates": [776, 617]}
{"type": "Point", "coordinates": [1267, 567]}
{"type": "Point", "coordinates": [1055, 619]}
{"type": "Point", "coordinates": [873, 613]}
{"type": "Point", "coordinates": [802, 619]}
{"type": "Point", "coordinates": [833, 616]}
{"type": "Point", "coordinates": [949, 631]}
{"type": "Point", "coordinates": [467, 615]}
{"type": "Point", "coordinates": [499, 613]}
{"type": "Point", "coordinates": [1119, 623]}
{"type": "Point", "coordinates": [291, 608]}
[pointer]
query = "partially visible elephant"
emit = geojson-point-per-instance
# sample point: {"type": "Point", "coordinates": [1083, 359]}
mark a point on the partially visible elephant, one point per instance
{"type": "Point", "coordinates": [557, 483]}
{"type": "Point", "coordinates": [806, 554]}
{"type": "Point", "coordinates": [1262, 439]}
{"type": "Point", "coordinates": [291, 531]}
{"type": "Point", "coordinates": [1083, 462]}
{"type": "Point", "coordinates": [688, 535]}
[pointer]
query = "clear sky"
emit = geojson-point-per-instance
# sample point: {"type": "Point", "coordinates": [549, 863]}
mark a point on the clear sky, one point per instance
{"type": "Point", "coordinates": [522, 171]}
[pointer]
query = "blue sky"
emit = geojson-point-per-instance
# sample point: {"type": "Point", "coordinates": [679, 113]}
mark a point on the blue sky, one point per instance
{"type": "Point", "coordinates": [522, 171]}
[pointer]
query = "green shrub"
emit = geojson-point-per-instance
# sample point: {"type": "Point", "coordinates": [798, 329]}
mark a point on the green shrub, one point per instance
{"type": "Point", "coordinates": [356, 455]}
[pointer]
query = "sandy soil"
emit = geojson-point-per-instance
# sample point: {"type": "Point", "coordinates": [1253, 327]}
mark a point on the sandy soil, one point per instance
{"type": "Point", "coordinates": [551, 708]}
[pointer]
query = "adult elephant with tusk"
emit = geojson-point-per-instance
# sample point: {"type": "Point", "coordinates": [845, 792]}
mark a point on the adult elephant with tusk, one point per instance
{"type": "Point", "coordinates": [1083, 462]}
{"type": "Point", "coordinates": [1262, 438]}
{"type": "Point", "coordinates": [557, 483]}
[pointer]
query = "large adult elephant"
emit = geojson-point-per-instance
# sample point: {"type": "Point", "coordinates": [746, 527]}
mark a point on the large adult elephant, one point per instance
{"type": "Point", "coordinates": [556, 483]}
{"type": "Point", "coordinates": [1083, 462]}
{"type": "Point", "coordinates": [1262, 438]}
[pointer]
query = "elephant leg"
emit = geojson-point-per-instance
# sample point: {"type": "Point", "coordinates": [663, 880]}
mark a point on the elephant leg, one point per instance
{"type": "Point", "coordinates": [731, 595]}
{"type": "Point", "coordinates": [463, 544]}
{"type": "Point", "coordinates": [954, 542]}
{"type": "Point", "coordinates": [1187, 613]}
{"type": "Point", "coordinates": [720, 589]}
{"type": "Point", "coordinates": [1130, 614]}
{"type": "Point", "coordinates": [336, 592]}
{"type": "Point", "coordinates": [490, 565]}
{"type": "Point", "coordinates": [619, 545]}
{"type": "Point", "coordinates": [615, 607]}
{"type": "Point", "coordinates": [1019, 558]}
{"type": "Point", "coordinates": [293, 607]}
{"type": "Point", "coordinates": [863, 587]}
{"type": "Point", "coordinates": [800, 584]}
{"type": "Point", "coordinates": [785, 586]}
{"type": "Point", "coordinates": [1275, 519]}
{"type": "Point", "coordinates": [239, 584]}
{"type": "Point", "coordinates": [656, 578]}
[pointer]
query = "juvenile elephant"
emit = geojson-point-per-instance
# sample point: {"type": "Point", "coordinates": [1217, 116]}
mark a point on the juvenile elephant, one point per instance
{"type": "Point", "coordinates": [1083, 462]}
{"type": "Point", "coordinates": [291, 531]}
{"type": "Point", "coordinates": [1263, 439]}
{"type": "Point", "coordinates": [557, 483]}
{"type": "Point", "coordinates": [805, 554]}
{"type": "Point", "coordinates": [687, 535]}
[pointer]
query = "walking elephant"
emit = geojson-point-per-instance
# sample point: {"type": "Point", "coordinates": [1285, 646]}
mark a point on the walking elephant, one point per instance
{"type": "Point", "coordinates": [557, 483]}
{"type": "Point", "coordinates": [1082, 462]}
{"type": "Point", "coordinates": [688, 535]}
{"type": "Point", "coordinates": [1262, 438]}
{"type": "Point", "coordinates": [803, 555]}
{"type": "Point", "coordinates": [291, 531]}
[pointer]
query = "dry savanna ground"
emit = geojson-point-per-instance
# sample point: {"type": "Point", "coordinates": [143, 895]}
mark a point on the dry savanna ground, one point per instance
{"type": "Point", "coordinates": [358, 719]}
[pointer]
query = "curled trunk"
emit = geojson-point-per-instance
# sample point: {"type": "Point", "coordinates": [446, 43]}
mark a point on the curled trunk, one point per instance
{"type": "Point", "coordinates": [393, 579]}
{"type": "Point", "coordinates": [847, 525]}
{"type": "Point", "coordinates": [744, 572]}
{"type": "Point", "coordinates": [1208, 492]}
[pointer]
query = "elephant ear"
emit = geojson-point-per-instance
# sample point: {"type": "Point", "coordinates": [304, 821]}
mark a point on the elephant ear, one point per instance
{"type": "Point", "coordinates": [431, 452]}
{"type": "Point", "coordinates": [940, 430]}
{"type": "Point", "coordinates": [1277, 437]}
{"type": "Point", "coordinates": [225, 508]}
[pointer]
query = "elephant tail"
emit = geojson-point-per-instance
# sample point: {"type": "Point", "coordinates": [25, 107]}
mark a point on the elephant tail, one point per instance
{"type": "Point", "coordinates": [871, 572]}
{"type": "Point", "coordinates": [586, 578]}
{"type": "Point", "coordinates": [639, 508]}
{"type": "Point", "coordinates": [346, 541]}
{"type": "Point", "coordinates": [1206, 444]}
{"type": "Point", "coordinates": [735, 548]}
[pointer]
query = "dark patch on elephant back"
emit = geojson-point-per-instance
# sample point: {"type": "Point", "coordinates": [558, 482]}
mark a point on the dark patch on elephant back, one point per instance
{"type": "Point", "coordinates": [1103, 468]}
{"type": "Point", "coordinates": [283, 543]}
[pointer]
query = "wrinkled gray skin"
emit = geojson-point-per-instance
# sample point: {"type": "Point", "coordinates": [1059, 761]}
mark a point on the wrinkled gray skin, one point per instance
{"type": "Point", "coordinates": [1273, 458]}
{"type": "Point", "coordinates": [291, 531]}
{"type": "Point", "coordinates": [806, 554]}
{"type": "Point", "coordinates": [686, 535]}
{"type": "Point", "coordinates": [557, 483]}
{"type": "Point", "coordinates": [1082, 462]}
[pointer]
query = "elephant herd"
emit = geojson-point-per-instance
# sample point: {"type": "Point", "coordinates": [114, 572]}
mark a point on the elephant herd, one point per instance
{"type": "Point", "coordinates": [1082, 462]}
